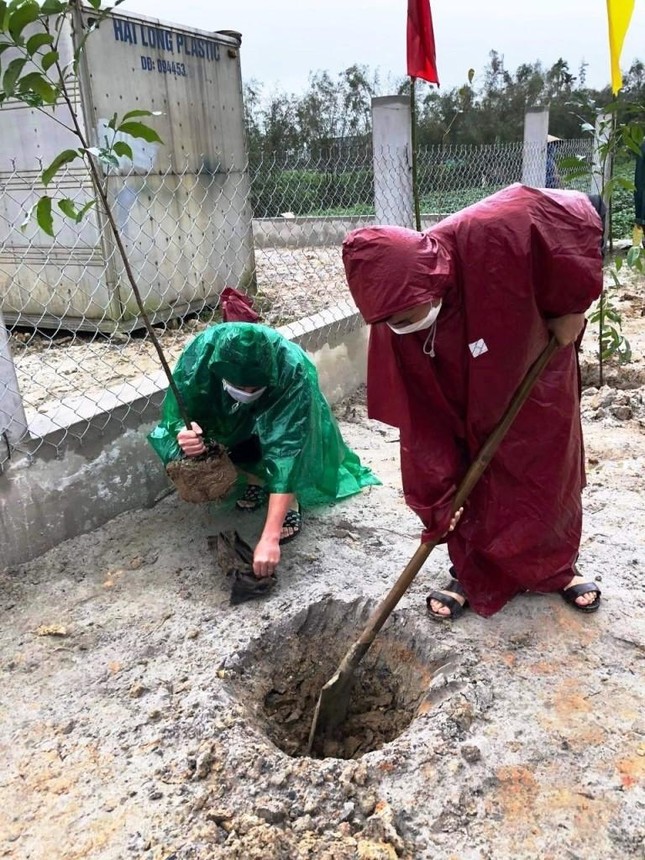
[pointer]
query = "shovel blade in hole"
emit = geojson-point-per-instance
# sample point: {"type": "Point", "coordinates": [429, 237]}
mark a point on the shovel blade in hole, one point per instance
{"type": "Point", "coordinates": [333, 701]}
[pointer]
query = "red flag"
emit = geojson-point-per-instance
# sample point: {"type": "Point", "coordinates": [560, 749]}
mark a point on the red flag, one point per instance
{"type": "Point", "coordinates": [422, 62]}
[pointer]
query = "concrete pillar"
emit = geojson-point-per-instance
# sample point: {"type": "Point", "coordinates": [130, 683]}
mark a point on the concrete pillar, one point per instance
{"type": "Point", "coordinates": [13, 424]}
{"type": "Point", "coordinates": [536, 128]}
{"type": "Point", "coordinates": [392, 159]}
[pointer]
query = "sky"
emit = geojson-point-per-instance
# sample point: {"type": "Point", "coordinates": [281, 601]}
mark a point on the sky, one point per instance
{"type": "Point", "coordinates": [283, 41]}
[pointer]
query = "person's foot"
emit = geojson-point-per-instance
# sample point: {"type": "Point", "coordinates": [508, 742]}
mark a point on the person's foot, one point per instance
{"type": "Point", "coordinates": [447, 604]}
{"type": "Point", "coordinates": [291, 525]}
{"type": "Point", "coordinates": [253, 497]}
{"type": "Point", "coordinates": [583, 599]}
{"type": "Point", "coordinates": [588, 599]}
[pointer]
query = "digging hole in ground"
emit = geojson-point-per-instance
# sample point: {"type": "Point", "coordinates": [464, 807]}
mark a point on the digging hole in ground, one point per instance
{"type": "Point", "coordinates": [279, 678]}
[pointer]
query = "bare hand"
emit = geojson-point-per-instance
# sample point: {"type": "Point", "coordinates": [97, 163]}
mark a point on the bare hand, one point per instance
{"type": "Point", "coordinates": [266, 557]}
{"type": "Point", "coordinates": [191, 441]}
{"type": "Point", "coordinates": [455, 519]}
{"type": "Point", "coordinates": [567, 329]}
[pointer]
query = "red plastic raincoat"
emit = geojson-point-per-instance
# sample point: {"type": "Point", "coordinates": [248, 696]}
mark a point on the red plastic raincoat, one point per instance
{"type": "Point", "coordinates": [501, 268]}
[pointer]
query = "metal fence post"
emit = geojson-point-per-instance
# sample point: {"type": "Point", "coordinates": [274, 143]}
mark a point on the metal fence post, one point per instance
{"type": "Point", "coordinates": [13, 423]}
{"type": "Point", "coordinates": [536, 128]}
{"type": "Point", "coordinates": [392, 159]}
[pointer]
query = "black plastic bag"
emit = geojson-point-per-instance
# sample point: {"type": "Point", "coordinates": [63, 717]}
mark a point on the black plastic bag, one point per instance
{"type": "Point", "coordinates": [235, 559]}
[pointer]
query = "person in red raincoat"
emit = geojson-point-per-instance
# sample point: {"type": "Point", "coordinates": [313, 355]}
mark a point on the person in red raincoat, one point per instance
{"type": "Point", "coordinates": [458, 316]}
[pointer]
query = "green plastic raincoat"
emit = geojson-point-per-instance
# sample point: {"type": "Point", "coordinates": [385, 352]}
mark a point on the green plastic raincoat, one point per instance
{"type": "Point", "coordinates": [303, 451]}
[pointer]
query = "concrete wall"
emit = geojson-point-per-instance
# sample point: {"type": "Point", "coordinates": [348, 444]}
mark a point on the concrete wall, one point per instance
{"type": "Point", "coordinates": [304, 232]}
{"type": "Point", "coordinates": [71, 487]}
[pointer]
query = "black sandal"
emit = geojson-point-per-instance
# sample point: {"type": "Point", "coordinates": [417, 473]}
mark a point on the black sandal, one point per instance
{"type": "Point", "coordinates": [255, 495]}
{"type": "Point", "coordinates": [569, 595]}
{"type": "Point", "coordinates": [455, 607]}
{"type": "Point", "coordinates": [292, 520]}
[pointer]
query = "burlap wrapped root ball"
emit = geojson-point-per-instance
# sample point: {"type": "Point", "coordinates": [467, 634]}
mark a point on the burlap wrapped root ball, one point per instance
{"type": "Point", "coordinates": [207, 478]}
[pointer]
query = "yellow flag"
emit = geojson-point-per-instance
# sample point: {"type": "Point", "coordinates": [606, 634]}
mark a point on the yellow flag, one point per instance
{"type": "Point", "coordinates": [619, 13]}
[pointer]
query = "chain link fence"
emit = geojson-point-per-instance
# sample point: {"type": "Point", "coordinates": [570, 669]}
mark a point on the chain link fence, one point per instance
{"type": "Point", "coordinates": [273, 231]}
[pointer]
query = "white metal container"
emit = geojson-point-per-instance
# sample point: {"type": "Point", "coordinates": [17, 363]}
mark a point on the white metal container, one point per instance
{"type": "Point", "coordinates": [183, 207]}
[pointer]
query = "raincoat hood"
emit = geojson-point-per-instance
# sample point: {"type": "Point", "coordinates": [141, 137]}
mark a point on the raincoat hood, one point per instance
{"type": "Point", "coordinates": [392, 269]}
{"type": "Point", "coordinates": [244, 355]}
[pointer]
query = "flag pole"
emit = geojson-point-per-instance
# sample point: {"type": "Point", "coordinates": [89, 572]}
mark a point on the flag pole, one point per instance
{"type": "Point", "coordinates": [413, 138]}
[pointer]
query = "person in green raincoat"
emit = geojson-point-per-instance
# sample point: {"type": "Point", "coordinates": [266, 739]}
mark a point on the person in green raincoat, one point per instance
{"type": "Point", "coordinates": [252, 390]}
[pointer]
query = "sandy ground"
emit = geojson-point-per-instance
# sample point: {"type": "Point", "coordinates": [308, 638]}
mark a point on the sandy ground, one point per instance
{"type": "Point", "coordinates": [132, 722]}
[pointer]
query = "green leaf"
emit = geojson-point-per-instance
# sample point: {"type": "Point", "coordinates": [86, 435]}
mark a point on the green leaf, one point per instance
{"type": "Point", "coordinates": [32, 99]}
{"type": "Point", "coordinates": [113, 121]}
{"type": "Point", "coordinates": [624, 182]}
{"type": "Point", "coordinates": [3, 17]}
{"type": "Point", "coordinates": [619, 266]}
{"type": "Point", "coordinates": [625, 355]}
{"type": "Point", "coordinates": [62, 158]}
{"type": "Point", "coordinates": [48, 60]}
{"type": "Point", "coordinates": [36, 83]}
{"type": "Point", "coordinates": [632, 255]}
{"type": "Point", "coordinates": [11, 76]}
{"type": "Point", "coordinates": [68, 208]}
{"type": "Point", "coordinates": [44, 215]}
{"type": "Point", "coordinates": [107, 158]}
{"type": "Point", "coordinates": [53, 7]}
{"type": "Point", "coordinates": [23, 15]}
{"type": "Point", "coordinates": [37, 41]}
{"type": "Point", "coordinates": [82, 212]}
{"type": "Point", "coordinates": [132, 113]}
{"type": "Point", "coordinates": [139, 130]}
{"type": "Point", "coordinates": [4, 46]}
{"type": "Point", "coordinates": [123, 150]}
{"type": "Point", "coordinates": [633, 145]}
{"type": "Point", "coordinates": [618, 182]}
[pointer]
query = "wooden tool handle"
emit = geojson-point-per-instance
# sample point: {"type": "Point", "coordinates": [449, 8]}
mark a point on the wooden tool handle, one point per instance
{"type": "Point", "coordinates": [472, 476]}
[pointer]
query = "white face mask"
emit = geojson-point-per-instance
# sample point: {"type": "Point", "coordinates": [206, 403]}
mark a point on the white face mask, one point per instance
{"type": "Point", "coordinates": [421, 324]}
{"type": "Point", "coordinates": [240, 395]}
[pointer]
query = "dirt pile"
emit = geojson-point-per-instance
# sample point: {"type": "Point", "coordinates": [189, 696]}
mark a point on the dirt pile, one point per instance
{"type": "Point", "coordinates": [613, 404]}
